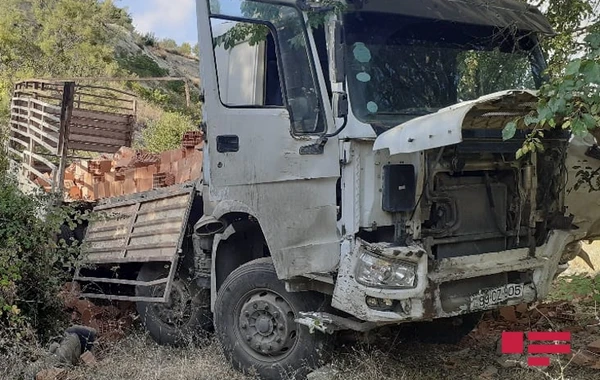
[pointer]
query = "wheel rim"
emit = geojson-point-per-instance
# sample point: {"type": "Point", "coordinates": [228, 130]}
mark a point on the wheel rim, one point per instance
{"type": "Point", "coordinates": [178, 310]}
{"type": "Point", "coordinates": [265, 325]}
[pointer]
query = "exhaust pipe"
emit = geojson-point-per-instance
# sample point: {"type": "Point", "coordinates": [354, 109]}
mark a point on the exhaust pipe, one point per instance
{"type": "Point", "coordinates": [208, 226]}
{"type": "Point", "coordinates": [204, 231]}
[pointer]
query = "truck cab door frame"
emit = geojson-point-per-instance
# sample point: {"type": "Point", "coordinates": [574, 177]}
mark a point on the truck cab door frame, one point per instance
{"type": "Point", "coordinates": [292, 195]}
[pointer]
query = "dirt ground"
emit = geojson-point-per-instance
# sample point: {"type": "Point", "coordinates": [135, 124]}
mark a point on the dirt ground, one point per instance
{"type": "Point", "coordinates": [571, 307]}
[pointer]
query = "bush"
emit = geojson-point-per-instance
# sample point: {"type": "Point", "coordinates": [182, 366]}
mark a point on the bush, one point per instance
{"type": "Point", "coordinates": [142, 65]}
{"type": "Point", "coordinates": [166, 132]}
{"type": "Point", "coordinates": [33, 262]}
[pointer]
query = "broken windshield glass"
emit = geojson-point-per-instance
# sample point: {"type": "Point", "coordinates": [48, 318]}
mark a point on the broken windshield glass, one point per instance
{"type": "Point", "coordinates": [400, 67]}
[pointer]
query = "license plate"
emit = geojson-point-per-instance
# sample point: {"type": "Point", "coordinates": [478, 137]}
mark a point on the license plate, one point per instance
{"type": "Point", "coordinates": [489, 297]}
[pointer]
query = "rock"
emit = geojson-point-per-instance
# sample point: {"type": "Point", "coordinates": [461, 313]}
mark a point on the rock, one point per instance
{"type": "Point", "coordinates": [594, 346]}
{"type": "Point", "coordinates": [52, 374]}
{"type": "Point", "coordinates": [323, 373]}
{"type": "Point", "coordinates": [489, 373]}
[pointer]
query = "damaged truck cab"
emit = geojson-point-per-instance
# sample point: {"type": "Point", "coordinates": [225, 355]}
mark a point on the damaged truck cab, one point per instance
{"type": "Point", "coordinates": [404, 103]}
{"type": "Point", "coordinates": [355, 173]}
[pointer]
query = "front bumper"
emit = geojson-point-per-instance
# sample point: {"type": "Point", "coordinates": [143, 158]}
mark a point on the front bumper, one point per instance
{"type": "Point", "coordinates": [445, 290]}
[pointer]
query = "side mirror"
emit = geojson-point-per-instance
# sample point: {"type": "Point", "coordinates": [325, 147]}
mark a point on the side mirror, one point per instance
{"type": "Point", "coordinates": [336, 49]}
{"type": "Point", "coordinates": [339, 102]}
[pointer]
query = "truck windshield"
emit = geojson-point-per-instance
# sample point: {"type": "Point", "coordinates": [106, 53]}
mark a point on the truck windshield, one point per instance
{"type": "Point", "coordinates": [400, 67]}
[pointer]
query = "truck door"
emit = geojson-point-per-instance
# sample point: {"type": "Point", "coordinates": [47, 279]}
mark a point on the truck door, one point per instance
{"type": "Point", "coordinates": [264, 109]}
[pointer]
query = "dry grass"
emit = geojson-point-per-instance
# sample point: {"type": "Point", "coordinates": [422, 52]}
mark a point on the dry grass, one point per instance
{"type": "Point", "coordinates": [137, 357]}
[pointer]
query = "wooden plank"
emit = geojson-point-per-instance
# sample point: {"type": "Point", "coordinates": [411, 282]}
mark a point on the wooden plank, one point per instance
{"type": "Point", "coordinates": [84, 139]}
{"type": "Point", "coordinates": [128, 247]}
{"type": "Point", "coordinates": [36, 130]}
{"type": "Point", "coordinates": [99, 115]}
{"type": "Point", "coordinates": [116, 99]}
{"type": "Point", "coordinates": [102, 124]}
{"type": "Point", "coordinates": [16, 152]}
{"type": "Point", "coordinates": [66, 112]}
{"type": "Point", "coordinates": [115, 259]}
{"type": "Point", "coordinates": [20, 142]}
{"type": "Point", "coordinates": [122, 282]}
{"type": "Point", "coordinates": [37, 139]}
{"type": "Point", "coordinates": [88, 103]}
{"type": "Point", "coordinates": [95, 148]}
{"type": "Point", "coordinates": [37, 157]}
{"type": "Point", "coordinates": [97, 132]}
{"type": "Point", "coordinates": [124, 298]}
{"type": "Point", "coordinates": [37, 173]}
{"type": "Point", "coordinates": [43, 124]}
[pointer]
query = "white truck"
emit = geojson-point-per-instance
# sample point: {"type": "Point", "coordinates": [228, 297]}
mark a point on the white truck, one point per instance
{"type": "Point", "coordinates": [355, 176]}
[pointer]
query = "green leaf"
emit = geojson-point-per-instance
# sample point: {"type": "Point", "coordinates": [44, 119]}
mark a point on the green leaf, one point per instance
{"type": "Point", "coordinates": [578, 127]}
{"type": "Point", "coordinates": [509, 131]}
{"type": "Point", "coordinates": [593, 39]}
{"type": "Point", "coordinates": [591, 72]}
{"type": "Point", "coordinates": [589, 121]}
{"type": "Point", "coordinates": [529, 119]}
{"type": "Point", "coordinates": [573, 67]}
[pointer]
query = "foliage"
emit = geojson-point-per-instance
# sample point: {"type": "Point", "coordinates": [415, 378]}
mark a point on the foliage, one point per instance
{"type": "Point", "coordinates": [142, 65]}
{"type": "Point", "coordinates": [168, 43]}
{"type": "Point", "coordinates": [56, 38]}
{"type": "Point", "coordinates": [196, 50]}
{"type": "Point", "coordinates": [569, 101]}
{"type": "Point", "coordinates": [577, 286]}
{"type": "Point", "coordinates": [185, 48]}
{"type": "Point", "coordinates": [568, 19]}
{"type": "Point", "coordinates": [33, 264]}
{"type": "Point", "coordinates": [166, 132]}
{"type": "Point", "coordinates": [147, 39]}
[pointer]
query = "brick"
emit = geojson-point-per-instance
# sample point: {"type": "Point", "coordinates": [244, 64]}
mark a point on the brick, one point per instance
{"type": "Point", "coordinates": [169, 179]}
{"type": "Point", "coordinates": [88, 358]}
{"type": "Point", "coordinates": [191, 139]}
{"type": "Point", "coordinates": [158, 180]}
{"type": "Point", "coordinates": [177, 155]}
{"type": "Point", "coordinates": [129, 186]}
{"type": "Point", "coordinates": [152, 169]}
{"type": "Point", "coordinates": [142, 173]}
{"type": "Point", "coordinates": [144, 184]}
{"type": "Point", "coordinates": [99, 167]}
{"type": "Point", "coordinates": [74, 192]}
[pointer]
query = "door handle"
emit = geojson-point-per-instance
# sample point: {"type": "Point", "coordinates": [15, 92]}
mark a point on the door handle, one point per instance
{"type": "Point", "coordinates": [228, 143]}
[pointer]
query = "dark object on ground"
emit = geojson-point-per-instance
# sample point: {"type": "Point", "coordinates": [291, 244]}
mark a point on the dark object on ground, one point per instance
{"type": "Point", "coordinates": [76, 341]}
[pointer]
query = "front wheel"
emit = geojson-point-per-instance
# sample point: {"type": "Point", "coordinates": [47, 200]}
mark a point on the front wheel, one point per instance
{"type": "Point", "coordinates": [255, 323]}
{"type": "Point", "coordinates": [181, 320]}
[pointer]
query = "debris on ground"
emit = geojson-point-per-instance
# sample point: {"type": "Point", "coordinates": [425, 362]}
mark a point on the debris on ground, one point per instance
{"type": "Point", "coordinates": [111, 321]}
{"type": "Point", "coordinates": [77, 340]}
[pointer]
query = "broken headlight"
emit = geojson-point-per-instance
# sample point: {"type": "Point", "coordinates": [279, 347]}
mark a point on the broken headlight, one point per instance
{"type": "Point", "coordinates": [377, 272]}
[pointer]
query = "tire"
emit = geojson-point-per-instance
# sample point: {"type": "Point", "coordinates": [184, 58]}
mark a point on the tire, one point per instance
{"type": "Point", "coordinates": [253, 310]}
{"type": "Point", "coordinates": [181, 321]}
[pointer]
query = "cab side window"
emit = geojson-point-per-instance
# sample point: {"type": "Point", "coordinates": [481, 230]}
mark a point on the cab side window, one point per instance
{"type": "Point", "coordinates": [263, 60]}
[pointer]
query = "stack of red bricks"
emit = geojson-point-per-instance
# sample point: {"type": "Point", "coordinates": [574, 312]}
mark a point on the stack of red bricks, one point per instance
{"type": "Point", "coordinates": [130, 171]}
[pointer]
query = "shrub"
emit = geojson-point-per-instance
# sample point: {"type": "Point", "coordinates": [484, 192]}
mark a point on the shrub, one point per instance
{"type": "Point", "coordinates": [166, 132]}
{"type": "Point", "coordinates": [33, 262]}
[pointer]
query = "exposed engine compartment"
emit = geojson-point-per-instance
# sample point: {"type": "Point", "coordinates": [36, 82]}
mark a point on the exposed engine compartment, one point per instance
{"type": "Point", "coordinates": [478, 200]}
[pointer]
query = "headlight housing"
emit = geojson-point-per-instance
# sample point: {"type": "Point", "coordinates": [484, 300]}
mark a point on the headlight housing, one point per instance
{"type": "Point", "coordinates": [377, 272]}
